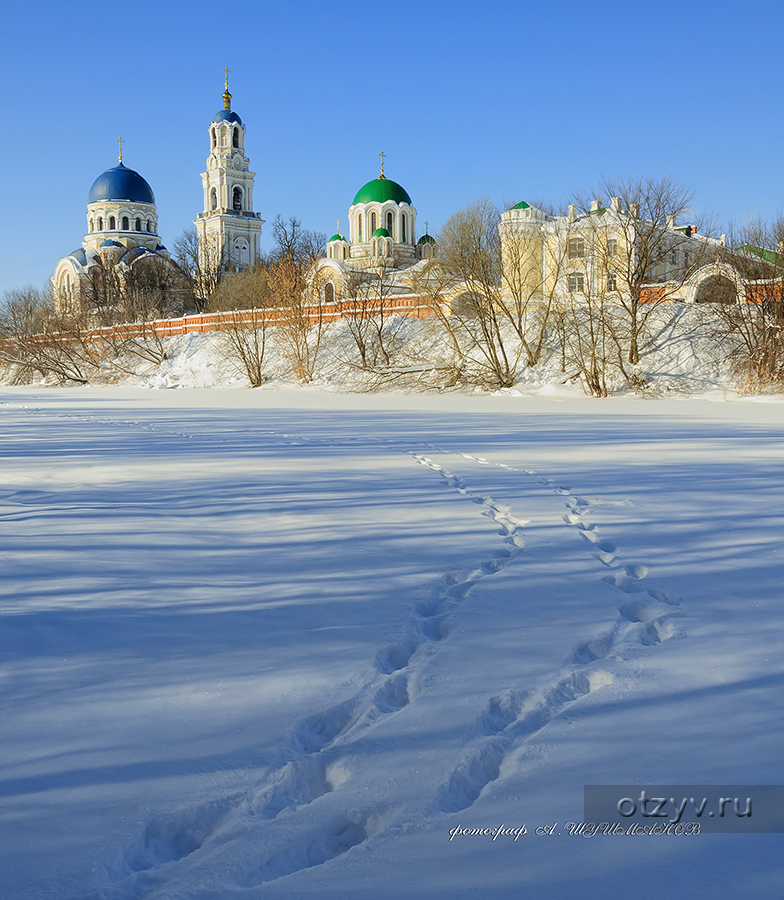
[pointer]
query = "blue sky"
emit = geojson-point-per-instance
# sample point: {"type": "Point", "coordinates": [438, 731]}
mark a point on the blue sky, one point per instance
{"type": "Point", "coordinates": [512, 100]}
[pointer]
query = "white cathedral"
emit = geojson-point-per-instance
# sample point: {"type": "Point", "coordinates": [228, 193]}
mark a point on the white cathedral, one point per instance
{"type": "Point", "coordinates": [122, 225]}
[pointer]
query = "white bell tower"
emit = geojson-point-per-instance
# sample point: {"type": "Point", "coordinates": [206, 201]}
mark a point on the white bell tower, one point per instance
{"type": "Point", "coordinates": [228, 229]}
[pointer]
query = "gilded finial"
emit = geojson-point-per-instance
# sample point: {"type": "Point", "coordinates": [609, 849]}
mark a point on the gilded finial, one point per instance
{"type": "Point", "coordinates": [382, 155]}
{"type": "Point", "coordinates": [226, 94]}
{"type": "Point", "coordinates": [120, 142]}
{"type": "Point", "coordinates": [337, 222]}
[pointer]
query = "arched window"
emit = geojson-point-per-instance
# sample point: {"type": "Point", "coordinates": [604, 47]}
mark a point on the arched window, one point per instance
{"type": "Point", "coordinates": [100, 223]}
{"type": "Point", "coordinates": [359, 227]}
{"type": "Point", "coordinates": [212, 132]}
{"type": "Point", "coordinates": [91, 225]}
{"type": "Point", "coordinates": [236, 199]}
{"type": "Point", "coordinates": [390, 226]}
{"type": "Point", "coordinates": [241, 253]}
{"type": "Point", "coordinates": [403, 228]}
{"type": "Point", "coordinates": [373, 224]}
{"type": "Point", "coordinates": [125, 223]}
{"type": "Point", "coordinates": [112, 223]}
{"type": "Point", "coordinates": [149, 225]}
{"type": "Point", "coordinates": [235, 137]}
{"type": "Point", "coordinates": [138, 224]}
{"type": "Point", "coordinates": [329, 293]}
{"type": "Point", "coordinates": [213, 199]}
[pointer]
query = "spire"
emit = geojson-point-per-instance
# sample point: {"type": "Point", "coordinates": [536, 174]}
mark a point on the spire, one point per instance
{"type": "Point", "coordinates": [120, 142]}
{"type": "Point", "coordinates": [226, 94]}
{"type": "Point", "coordinates": [382, 155]}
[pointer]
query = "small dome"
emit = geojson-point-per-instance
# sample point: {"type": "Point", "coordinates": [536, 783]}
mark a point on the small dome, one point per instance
{"type": "Point", "coordinates": [80, 256]}
{"type": "Point", "coordinates": [121, 183]}
{"type": "Point", "coordinates": [381, 232]}
{"type": "Point", "coordinates": [426, 239]}
{"type": "Point", "coordinates": [227, 115]}
{"type": "Point", "coordinates": [381, 189]}
{"type": "Point", "coordinates": [111, 244]}
{"type": "Point", "coordinates": [521, 205]}
{"type": "Point", "coordinates": [336, 237]}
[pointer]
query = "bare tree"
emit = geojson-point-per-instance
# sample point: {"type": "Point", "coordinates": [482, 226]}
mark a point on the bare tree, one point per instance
{"type": "Point", "coordinates": [204, 269]}
{"type": "Point", "coordinates": [744, 298]}
{"type": "Point", "coordinates": [470, 247]}
{"type": "Point", "coordinates": [638, 250]}
{"type": "Point", "coordinates": [301, 323]}
{"type": "Point", "coordinates": [37, 338]}
{"type": "Point", "coordinates": [292, 241]}
{"type": "Point", "coordinates": [367, 307]}
{"type": "Point", "coordinates": [248, 299]}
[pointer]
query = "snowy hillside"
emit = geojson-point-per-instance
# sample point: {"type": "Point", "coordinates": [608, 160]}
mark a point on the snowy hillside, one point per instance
{"type": "Point", "coordinates": [282, 643]}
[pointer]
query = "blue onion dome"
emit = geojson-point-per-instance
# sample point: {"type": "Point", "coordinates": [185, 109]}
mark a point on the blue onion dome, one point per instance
{"type": "Point", "coordinates": [121, 183]}
{"type": "Point", "coordinates": [227, 115]}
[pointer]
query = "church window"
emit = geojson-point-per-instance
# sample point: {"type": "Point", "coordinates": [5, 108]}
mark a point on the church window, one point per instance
{"type": "Point", "coordinates": [241, 253]}
{"type": "Point", "coordinates": [100, 223]}
{"type": "Point", "coordinates": [91, 224]}
{"type": "Point", "coordinates": [138, 224]}
{"type": "Point", "coordinates": [576, 249]}
{"type": "Point", "coordinates": [235, 139]}
{"type": "Point", "coordinates": [612, 247]}
{"type": "Point", "coordinates": [403, 228]}
{"type": "Point", "coordinates": [212, 132]}
{"type": "Point", "coordinates": [236, 201]}
{"type": "Point", "coordinates": [329, 293]}
{"type": "Point", "coordinates": [576, 282]}
{"type": "Point", "coordinates": [612, 282]}
{"type": "Point", "coordinates": [125, 223]}
{"type": "Point", "coordinates": [674, 257]}
{"type": "Point", "coordinates": [389, 223]}
{"type": "Point", "coordinates": [359, 227]}
{"type": "Point", "coordinates": [112, 223]}
{"type": "Point", "coordinates": [213, 199]}
{"type": "Point", "coordinates": [373, 224]}
{"type": "Point", "coordinates": [149, 225]}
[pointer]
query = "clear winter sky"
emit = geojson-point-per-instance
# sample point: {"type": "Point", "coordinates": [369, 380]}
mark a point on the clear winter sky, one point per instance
{"type": "Point", "coordinates": [512, 100]}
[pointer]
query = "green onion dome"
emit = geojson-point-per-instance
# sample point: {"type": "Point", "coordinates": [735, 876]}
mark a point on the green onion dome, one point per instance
{"type": "Point", "coordinates": [381, 189]}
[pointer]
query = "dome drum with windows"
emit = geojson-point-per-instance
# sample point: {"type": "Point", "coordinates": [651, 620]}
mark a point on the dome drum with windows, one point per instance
{"type": "Point", "coordinates": [382, 205]}
{"type": "Point", "coordinates": [121, 208]}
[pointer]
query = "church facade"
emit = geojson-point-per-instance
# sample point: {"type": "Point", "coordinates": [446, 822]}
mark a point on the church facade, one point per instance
{"type": "Point", "coordinates": [122, 238]}
{"type": "Point", "coordinates": [381, 247]}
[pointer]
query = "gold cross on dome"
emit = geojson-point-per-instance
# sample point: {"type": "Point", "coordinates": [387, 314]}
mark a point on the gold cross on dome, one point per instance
{"type": "Point", "coordinates": [337, 222]}
{"type": "Point", "coordinates": [426, 226]}
{"type": "Point", "coordinates": [120, 142]}
{"type": "Point", "coordinates": [382, 155]}
{"type": "Point", "coordinates": [227, 70]}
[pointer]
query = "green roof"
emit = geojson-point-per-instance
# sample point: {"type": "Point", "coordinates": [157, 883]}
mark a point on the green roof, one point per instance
{"type": "Point", "coordinates": [770, 255]}
{"type": "Point", "coordinates": [336, 237]}
{"type": "Point", "coordinates": [381, 189]}
{"type": "Point", "coordinates": [381, 232]}
{"type": "Point", "coordinates": [521, 205]}
{"type": "Point", "coordinates": [426, 239]}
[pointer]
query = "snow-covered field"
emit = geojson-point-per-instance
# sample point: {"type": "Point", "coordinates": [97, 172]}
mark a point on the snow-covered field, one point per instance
{"type": "Point", "coordinates": [280, 643]}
